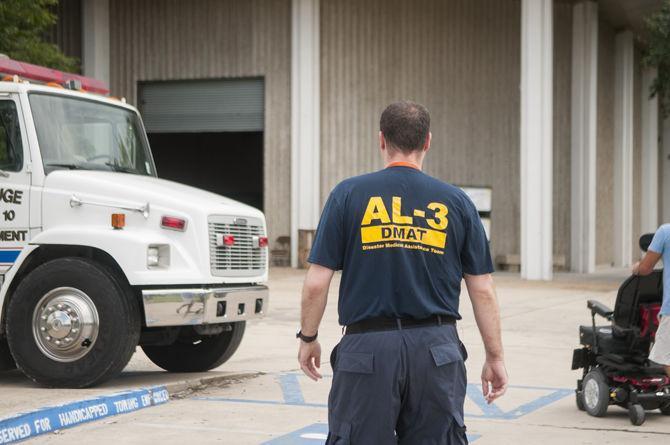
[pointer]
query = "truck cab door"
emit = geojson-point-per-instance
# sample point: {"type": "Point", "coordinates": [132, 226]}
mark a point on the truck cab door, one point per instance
{"type": "Point", "coordinates": [14, 182]}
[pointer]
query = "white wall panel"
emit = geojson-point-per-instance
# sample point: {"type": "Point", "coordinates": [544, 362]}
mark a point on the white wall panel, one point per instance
{"type": "Point", "coordinates": [461, 58]}
{"type": "Point", "coordinates": [154, 40]}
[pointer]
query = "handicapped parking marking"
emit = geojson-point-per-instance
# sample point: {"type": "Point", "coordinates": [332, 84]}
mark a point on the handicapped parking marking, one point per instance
{"type": "Point", "coordinates": [492, 411]}
{"type": "Point", "coordinates": [292, 396]}
{"type": "Point", "coordinates": [317, 433]}
{"type": "Point", "coordinates": [309, 435]}
{"type": "Point", "coordinates": [27, 425]}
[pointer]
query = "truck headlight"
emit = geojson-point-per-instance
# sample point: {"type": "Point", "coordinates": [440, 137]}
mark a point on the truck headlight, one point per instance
{"type": "Point", "coordinates": [158, 255]}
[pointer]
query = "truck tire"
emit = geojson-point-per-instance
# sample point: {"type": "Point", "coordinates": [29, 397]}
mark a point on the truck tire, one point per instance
{"type": "Point", "coordinates": [72, 323]}
{"type": "Point", "coordinates": [6, 359]}
{"type": "Point", "coordinates": [197, 353]}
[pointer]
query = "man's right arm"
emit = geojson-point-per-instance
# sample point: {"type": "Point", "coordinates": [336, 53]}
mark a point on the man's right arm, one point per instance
{"type": "Point", "coordinates": [487, 315]}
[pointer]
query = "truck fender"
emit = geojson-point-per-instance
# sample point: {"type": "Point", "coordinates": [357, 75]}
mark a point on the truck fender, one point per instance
{"type": "Point", "coordinates": [9, 277]}
{"type": "Point", "coordinates": [127, 248]}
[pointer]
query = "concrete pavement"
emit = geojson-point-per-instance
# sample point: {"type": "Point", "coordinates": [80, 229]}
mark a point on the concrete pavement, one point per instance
{"type": "Point", "coordinates": [279, 405]}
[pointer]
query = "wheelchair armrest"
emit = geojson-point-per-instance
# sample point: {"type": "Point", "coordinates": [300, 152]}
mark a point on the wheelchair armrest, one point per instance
{"type": "Point", "coordinates": [598, 308]}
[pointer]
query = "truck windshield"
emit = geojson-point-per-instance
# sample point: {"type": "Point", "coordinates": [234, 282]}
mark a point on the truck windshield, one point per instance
{"type": "Point", "coordinates": [83, 134]}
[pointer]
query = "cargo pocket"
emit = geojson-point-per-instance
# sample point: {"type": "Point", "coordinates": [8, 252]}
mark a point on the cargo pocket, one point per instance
{"type": "Point", "coordinates": [333, 356]}
{"type": "Point", "coordinates": [457, 434]}
{"type": "Point", "coordinates": [357, 362]}
{"type": "Point", "coordinates": [464, 351]}
{"type": "Point", "coordinates": [339, 433]}
{"type": "Point", "coordinates": [448, 381]}
{"type": "Point", "coordinates": [447, 353]}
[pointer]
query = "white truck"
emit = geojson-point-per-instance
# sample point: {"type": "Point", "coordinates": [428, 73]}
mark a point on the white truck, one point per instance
{"type": "Point", "coordinates": [98, 255]}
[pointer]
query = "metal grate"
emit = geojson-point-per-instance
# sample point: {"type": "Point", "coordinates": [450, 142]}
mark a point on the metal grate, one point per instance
{"type": "Point", "coordinates": [241, 259]}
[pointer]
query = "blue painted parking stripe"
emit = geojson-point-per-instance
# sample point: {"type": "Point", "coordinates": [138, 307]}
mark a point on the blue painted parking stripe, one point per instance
{"type": "Point", "coordinates": [290, 388]}
{"type": "Point", "coordinates": [474, 393]}
{"type": "Point", "coordinates": [292, 396]}
{"type": "Point", "coordinates": [9, 256]}
{"type": "Point", "coordinates": [539, 403]}
{"type": "Point", "coordinates": [46, 420]}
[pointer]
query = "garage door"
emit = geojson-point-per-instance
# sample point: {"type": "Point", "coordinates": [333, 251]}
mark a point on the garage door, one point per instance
{"type": "Point", "coordinates": [202, 105]}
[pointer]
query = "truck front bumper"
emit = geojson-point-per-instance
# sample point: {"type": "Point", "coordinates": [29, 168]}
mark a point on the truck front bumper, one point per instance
{"type": "Point", "coordinates": [199, 306]}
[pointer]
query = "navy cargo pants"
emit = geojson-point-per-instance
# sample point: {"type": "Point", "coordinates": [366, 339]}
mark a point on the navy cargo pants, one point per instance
{"type": "Point", "coordinates": [398, 387]}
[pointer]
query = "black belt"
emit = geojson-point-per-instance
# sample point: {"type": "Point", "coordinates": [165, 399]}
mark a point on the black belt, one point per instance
{"type": "Point", "coordinates": [391, 324]}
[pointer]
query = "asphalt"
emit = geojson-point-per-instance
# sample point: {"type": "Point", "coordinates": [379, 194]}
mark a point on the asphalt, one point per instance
{"type": "Point", "coordinates": [260, 397]}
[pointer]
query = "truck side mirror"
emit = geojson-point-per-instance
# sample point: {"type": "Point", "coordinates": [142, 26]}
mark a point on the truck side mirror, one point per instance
{"type": "Point", "coordinates": [645, 240]}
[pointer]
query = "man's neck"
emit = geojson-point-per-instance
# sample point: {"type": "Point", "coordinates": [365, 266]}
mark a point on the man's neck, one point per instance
{"type": "Point", "coordinates": [406, 161]}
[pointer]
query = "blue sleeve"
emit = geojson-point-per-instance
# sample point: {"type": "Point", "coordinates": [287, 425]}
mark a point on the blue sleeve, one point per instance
{"type": "Point", "coordinates": [328, 247]}
{"type": "Point", "coordinates": [660, 239]}
{"type": "Point", "coordinates": [475, 256]}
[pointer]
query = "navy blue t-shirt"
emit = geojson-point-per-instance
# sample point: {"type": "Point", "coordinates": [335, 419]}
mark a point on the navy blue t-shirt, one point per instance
{"type": "Point", "coordinates": [403, 241]}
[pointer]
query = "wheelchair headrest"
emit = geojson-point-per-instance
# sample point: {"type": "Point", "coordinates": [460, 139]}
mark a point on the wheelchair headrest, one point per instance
{"type": "Point", "coordinates": [637, 290]}
{"type": "Point", "coordinates": [645, 241]}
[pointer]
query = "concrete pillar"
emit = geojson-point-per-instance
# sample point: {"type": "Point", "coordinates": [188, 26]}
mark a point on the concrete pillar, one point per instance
{"type": "Point", "coordinates": [665, 172]}
{"type": "Point", "coordinates": [649, 198]}
{"type": "Point", "coordinates": [536, 139]}
{"type": "Point", "coordinates": [95, 39]}
{"type": "Point", "coordinates": [623, 149]}
{"type": "Point", "coordinates": [584, 125]}
{"type": "Point", "coordinates": [305, 148]}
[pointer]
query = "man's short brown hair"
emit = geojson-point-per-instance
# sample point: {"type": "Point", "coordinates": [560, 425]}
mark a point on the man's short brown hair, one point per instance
{"type": "Point", "coordinates": [405, 126]}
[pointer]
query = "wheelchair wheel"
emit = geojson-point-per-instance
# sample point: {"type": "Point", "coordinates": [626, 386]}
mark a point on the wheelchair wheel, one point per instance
{"type": "Point", "coordinates": [596, 393]}
{"type": "Point", "coordinates": [579, 400]}
{"type": "Point", "coordinates": [636, 414]}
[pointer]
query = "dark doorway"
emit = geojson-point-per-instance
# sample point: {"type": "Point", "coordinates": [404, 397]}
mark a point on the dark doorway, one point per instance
{"type": "Point", "coordinates": [227, 163]}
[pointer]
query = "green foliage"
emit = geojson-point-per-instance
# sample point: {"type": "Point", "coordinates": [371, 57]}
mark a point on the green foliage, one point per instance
{"type": "Point", "coordinates": [657, 54]}
{"type": "Point", "coordinates": [23, 24]}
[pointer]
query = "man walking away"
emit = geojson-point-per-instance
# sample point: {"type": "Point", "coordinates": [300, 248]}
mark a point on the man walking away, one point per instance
{"type": "Point", "coordinates": [404, 241]}
{"type": "Point", "coordinates": [659, 248]}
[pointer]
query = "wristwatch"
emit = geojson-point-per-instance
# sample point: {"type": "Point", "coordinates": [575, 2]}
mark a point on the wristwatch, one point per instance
{"type": "Point", "coordinates": [306, 338]}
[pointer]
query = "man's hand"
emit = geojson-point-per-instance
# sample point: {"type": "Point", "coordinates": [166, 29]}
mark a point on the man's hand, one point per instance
{"type": "Point", "coordinates": [309, 356]}
{"type": "Point", "coordinates": [494, 380]}
{"type": "Point", "coordinates": [487, 315]}
{"type": "Point", "coordinates": [314, 298]}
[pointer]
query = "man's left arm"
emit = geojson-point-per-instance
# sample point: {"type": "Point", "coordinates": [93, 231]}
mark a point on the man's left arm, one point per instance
{"type": "Point", "coordinates": [314, 299]}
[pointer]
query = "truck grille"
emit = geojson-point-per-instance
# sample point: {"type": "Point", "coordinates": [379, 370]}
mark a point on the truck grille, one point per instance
{"type": "Point", "coordinates": [242, 258]}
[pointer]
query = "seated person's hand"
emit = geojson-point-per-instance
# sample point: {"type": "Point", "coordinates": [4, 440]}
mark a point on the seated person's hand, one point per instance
{"type": "Point", "coordinates": [636, 268]}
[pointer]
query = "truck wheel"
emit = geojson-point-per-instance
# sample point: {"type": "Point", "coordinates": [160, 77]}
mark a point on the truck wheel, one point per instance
{"type": "Point", "coordinates": [6, 359]}
{"type": "Point", "coordinates": [197, 353]}
{"type": "Point", "coordinates": [72, 323]}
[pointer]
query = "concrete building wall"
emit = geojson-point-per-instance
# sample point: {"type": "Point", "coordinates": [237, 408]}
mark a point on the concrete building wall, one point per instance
{"type": "Point", "coordinates": [562, 128]}
{"type": "Point", "coordinates": [67, 31]}
{"type": "Point", "coordinates": [462, 60]}
{"type": "Point", "coordinates": [173, 40]}
{"type": "Point", "coordinates": [637, 156]}
{"type": "Point", "coordinates": [605, 145]}
{"type": "Point", "coordinates": [459, 57]}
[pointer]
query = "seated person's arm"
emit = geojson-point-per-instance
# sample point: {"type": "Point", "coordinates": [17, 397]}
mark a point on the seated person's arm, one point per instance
{"type": "Point", "coordinates": [646, 265]}
{"type": "Point", "coordinates": [654, 252]}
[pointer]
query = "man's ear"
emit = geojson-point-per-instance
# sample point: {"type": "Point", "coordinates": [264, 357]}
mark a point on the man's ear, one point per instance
{"type": "Point", "coordinates": [382, 142]}
{"type": "Point", "coordinates": [426, 144]}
